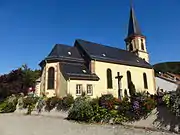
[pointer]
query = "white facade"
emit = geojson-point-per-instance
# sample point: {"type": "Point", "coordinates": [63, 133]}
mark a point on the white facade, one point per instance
{"type": "Point", "coordinates": [165, 84]}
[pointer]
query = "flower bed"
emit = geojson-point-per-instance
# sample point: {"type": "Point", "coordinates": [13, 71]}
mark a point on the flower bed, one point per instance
{"type": "Point", "coordinates": [107, 108]}
{"type": "Point", "coordinates": [104, 109]}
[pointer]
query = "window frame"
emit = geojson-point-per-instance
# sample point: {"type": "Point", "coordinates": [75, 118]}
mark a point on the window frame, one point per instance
{"type": "Point", "coordinates": [142, 45]}
{"type": "Point", "coordinates": [131, 47]}
{"type": "Point", "coordinates": [87, 86]}
{"type": "Point", "coordinates": [79, 89]}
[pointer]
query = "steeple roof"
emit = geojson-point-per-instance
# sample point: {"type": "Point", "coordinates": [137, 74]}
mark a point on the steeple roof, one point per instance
{"type": "Point", "coordinates": [133, 28]}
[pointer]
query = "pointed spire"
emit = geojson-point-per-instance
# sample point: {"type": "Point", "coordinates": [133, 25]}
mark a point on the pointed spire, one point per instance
{"type": "Point", "coordinates": [133, 24]}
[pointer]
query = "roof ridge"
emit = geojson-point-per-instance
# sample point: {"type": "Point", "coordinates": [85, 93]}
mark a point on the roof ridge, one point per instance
{"type": "Point", "coordinates": [69, 63]}
{"type": "Point", "coordinates": [110, 47]}
{"type": "Point", "coordinates": [103, 45]}
{"type": "Point", "coordinates": [63, 45]}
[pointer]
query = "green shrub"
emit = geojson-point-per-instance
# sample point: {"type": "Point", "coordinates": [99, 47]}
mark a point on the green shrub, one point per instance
{"type": "Point", "coordinates": [41, 103]}
{"type": "Point", "coordinates": [175, 104]}
{"type": "Point", "coordinates": [94, 102]}
{"type": "Point", "coordinates": [132, 89]}
{"type": "Point", "coordinates": [81, 110]}
{"type": "Point", "coordinates": [30, 103]}
{"type": "Point", "coordinates": [8, 108]}
{"type": "Point", "coordinates": [59, 104]}
{"type": "Point", "coordinates": [124, 107]}
{"type": "Point", "coordinates": [51, 103]}
{"type": "Point", "coordinates": [100, 114]}
{"type": "Point", "coordinates": [9, 104]}
{"type": "Point", "coordinates": [67, 102]}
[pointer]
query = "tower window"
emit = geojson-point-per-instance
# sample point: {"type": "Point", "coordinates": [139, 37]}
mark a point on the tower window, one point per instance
{"type": "Point", "coordinates": [130, 47]}
{"type": "Point", "coordinates": [142, 44]}
{"type": "Point", "coordinates": [109, 79]}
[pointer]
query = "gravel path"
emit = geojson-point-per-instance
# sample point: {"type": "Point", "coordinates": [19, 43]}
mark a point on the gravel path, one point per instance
{"type": "Point", "coordinates": [17, 124]}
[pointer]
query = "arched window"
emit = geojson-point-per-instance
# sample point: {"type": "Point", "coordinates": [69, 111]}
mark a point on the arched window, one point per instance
{"type": "Point", "coordinates": [131, 86]}
{"type": "Point", "coordinates": [145, 81]}
{"type": "Point", "coordinates": [142, 45]}
{"type": "Point", "coordinates": [130, 47]}
{"type": "Point", "coordinates": [128, 78]}
{"type": "Point", "coordinates": [51, 76]}
{"type": "Point", "coordinates": [109, 79]}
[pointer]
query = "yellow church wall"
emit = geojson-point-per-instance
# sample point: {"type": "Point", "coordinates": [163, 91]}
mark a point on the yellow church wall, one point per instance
{"type": "Point", "coordinates": [136, 75]}
{"type": "Point", "coordinates": [100, 87]}
{"type": "Point", "coordinates": [63, 85]}
{"type": "Point", "coordinates": [37, 88]}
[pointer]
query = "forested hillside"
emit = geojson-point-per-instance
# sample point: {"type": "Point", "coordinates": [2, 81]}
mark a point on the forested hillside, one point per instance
{"type": "Point", "coordinates": [173, 67]}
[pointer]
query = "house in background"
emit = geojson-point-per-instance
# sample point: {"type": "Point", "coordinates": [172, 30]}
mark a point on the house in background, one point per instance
{"type": "Point", "coordinates": [167, 82]}
{"type": "Point", "coordinates": [98, 69]}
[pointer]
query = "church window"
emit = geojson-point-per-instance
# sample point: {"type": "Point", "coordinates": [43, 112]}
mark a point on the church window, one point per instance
{"type": "Point", "coordinates": [145, 81]}
{"type": "Point", "coordinates": [109, 79]}
{"type": "Point", "coordinates": [128, 78]}
{"type": "Point", "coordinates": [142, 44]}
{"type": "Point", "coordinates": [79, 89]}
{"type": "Point", "coordinates": [51, 78]}
{"type": "Point", "coordinates": [89, 89]}
{"type": "Point", "coordinates": [130, 47]}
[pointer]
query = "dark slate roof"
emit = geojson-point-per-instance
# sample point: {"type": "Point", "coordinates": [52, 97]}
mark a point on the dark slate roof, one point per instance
{"type": "Point", "coordinates": [134, 28]}
{"type": "Point", "coordinates": [111, 54]}
{"type": "Point", "coordinates": [77, 71]}
{"type": "Point", "coordinates": [62, 51]}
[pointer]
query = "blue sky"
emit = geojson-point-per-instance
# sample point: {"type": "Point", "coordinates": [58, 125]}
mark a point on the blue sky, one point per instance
{"type": "Point", "coordinates": [30, 28]}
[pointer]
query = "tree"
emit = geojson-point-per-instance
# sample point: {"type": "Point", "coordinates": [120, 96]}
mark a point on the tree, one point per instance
{"type": "Point", "coordinates": [18, 81]}
{"type": "Point", "coordinates": [132, 89]}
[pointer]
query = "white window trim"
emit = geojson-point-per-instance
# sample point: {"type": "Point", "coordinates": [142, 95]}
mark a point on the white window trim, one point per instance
{"type": "Point", "coordinates": [89, 94]}
{"type": "Point", "coordinates": [80, 88]}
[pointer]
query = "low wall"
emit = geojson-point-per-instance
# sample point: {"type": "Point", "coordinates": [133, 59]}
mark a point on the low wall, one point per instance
{"type": "Point", "coordinates": [160, 118]}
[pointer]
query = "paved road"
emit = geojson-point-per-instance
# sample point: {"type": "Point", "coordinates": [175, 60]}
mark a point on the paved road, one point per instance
{"type": "Point", "coordinates": [16, 124]}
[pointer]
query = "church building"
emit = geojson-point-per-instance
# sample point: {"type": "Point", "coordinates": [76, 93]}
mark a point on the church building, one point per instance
{"type": "Point", "coordinates": [98, 69]}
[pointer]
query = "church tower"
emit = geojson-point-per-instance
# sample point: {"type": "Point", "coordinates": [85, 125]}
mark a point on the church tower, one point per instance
{"type": "Point", "coordinates": [136, 41]}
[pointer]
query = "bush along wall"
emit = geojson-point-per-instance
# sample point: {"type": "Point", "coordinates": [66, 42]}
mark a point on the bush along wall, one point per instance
{"type": "Point", "coordinates": [31, 103]}
{"type": "Point", "coordinates": [9, 104]}
{"type": "Point", "coordinates": [107, 109]}
{"type": "Point", "coordinates": [172, 102]}
{"type": "Point", "coordinates": [104, 109]}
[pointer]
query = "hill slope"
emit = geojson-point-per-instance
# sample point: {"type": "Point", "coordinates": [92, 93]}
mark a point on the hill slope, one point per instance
{"type": "Point", "coordinates": [173, 67]}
